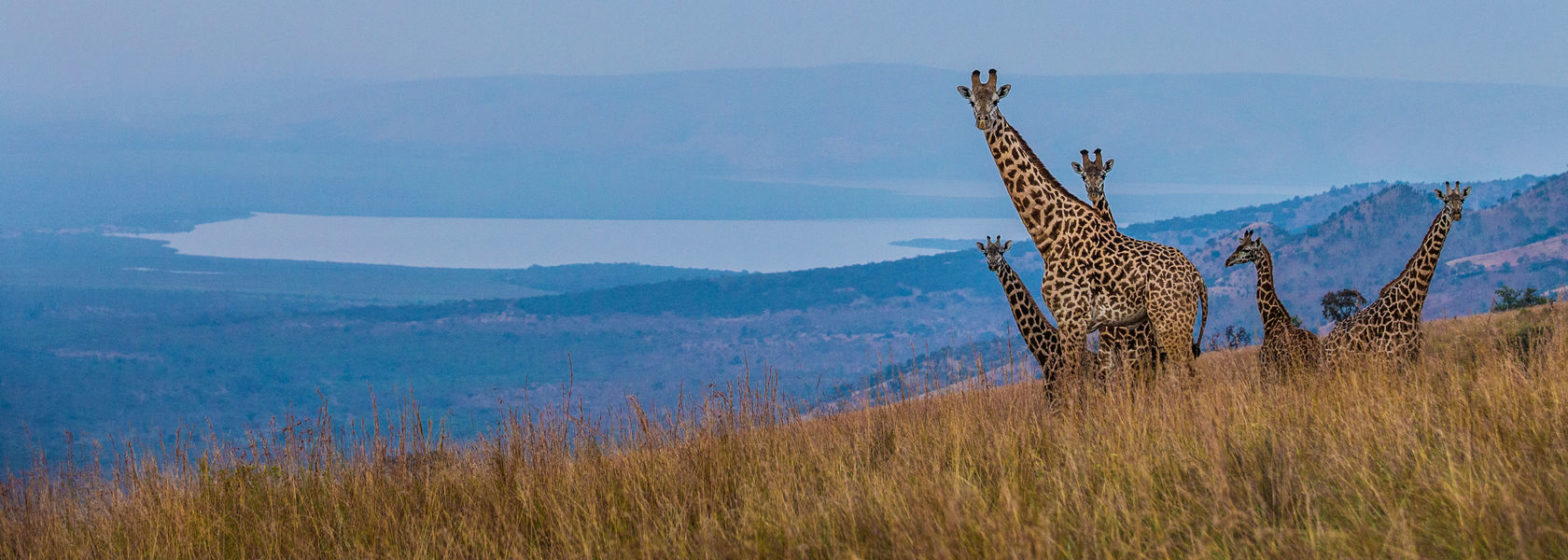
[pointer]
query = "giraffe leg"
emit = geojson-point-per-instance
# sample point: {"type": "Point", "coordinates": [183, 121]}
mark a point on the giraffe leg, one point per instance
{"type": "Point", "coordinates": [1075, 353]}
{"type": "Point", "coordinates": [1144, 350]}
{"type": "Point", "coordinates": [1176, 345]}
{"type": "Point", "coordinates": [1129, 352]}
{"type": "Point", "coordinates": [1113, 354]}
{"type": "Point", "coordinates": [1173, 320]}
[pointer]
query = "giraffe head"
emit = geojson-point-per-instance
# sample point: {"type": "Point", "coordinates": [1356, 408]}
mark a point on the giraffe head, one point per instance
{"type": "Point", "coordinates": [995, 251]}
{"type": "Point", "coordinates": [1250, 250]}
{"type": "Point", "coordinates": [1093, 172]}
{"type": "Point", "coordinates": [1453, 197]}
{"type": "Point", "coordinates": [983, 98]}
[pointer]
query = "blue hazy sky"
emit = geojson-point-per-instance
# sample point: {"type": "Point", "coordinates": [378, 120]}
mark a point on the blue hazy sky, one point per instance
{"type": "Point", "coordinates": [101, 48]}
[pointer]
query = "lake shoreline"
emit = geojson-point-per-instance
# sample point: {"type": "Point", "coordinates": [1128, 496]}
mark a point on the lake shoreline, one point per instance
{"type": "Point", "coordinates": [504, 243]}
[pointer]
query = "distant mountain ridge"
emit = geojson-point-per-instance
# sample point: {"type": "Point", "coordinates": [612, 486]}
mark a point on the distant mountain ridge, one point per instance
{"type": "Point", "coordinates": [841, 141]}
{"type": "Point", "coordinates": [1362, 244]}
{"type": "Point", "coordinates": [1366, 244]}
{"type": "Point", "coordinates": [1301, 213]}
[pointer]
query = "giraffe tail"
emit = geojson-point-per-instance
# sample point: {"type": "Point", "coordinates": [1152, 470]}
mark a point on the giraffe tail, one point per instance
{"type": "Point", "coordinates": [1203, 298]}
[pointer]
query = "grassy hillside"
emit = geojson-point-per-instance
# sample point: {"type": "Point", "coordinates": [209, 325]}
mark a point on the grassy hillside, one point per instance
{"type": "Point", "coordinates": [1464, 454]}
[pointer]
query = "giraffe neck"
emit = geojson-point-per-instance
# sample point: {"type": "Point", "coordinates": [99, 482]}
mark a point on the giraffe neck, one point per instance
{"type": "Point", "coordinates": [1036, 194]}
{"type": "Point", "coordinates": [1103, 208]}
{"type": "Point", "coordinates": [1275, 317]}
{"type": "Point", "coordinates": [1025, 312]}
{"type": "Point", "coordinates": [1416, 278]}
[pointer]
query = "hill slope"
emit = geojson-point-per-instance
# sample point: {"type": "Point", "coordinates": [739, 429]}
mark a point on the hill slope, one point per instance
{"type": "Point", "coordinates": [1366, 244]}
{"type": "Point", "coordinates": [1302, 212]}
{"type": "Point", "coordinates": [1464, 455]}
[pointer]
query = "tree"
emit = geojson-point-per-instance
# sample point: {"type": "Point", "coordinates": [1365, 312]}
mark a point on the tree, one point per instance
{"type": "Point", "coordinates": [1509, 298]}
{"type": "Point", "coordinates": [1236, 336]}
{"type": "Point", "coordinates": [1340, 305]}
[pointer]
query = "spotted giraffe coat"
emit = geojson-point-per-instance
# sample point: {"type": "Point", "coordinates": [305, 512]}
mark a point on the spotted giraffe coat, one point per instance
{"type": "Point", "coordinates": [1094, 276]}
{"type": "Point", "coordinates": [1390, 327]}
{"type": "Point", "coordinates": [1127, 347]}
{"type": "Point", "coordinates": [1286, 347]}
{"type": "Point", "coordinates": [1037, 333]}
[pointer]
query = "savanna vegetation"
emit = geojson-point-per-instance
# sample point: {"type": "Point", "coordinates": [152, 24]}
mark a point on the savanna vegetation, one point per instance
{"type": "Point", "coordinates": [1463, 454]}
{"type": "Point", "coordinates": [1509, 299]}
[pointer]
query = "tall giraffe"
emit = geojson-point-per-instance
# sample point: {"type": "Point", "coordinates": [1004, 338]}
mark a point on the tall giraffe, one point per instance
{"type": "Point", "coordinates": [1391, 326]}
{"type": "Point", "coordinates": [1037, 333]}
{"type": "Point", "coordinates": [1121, 347]}
{"type": "Point", "coordinates": [1286, 347]}
{"type": "Point", "coordinates": [1094, 275]}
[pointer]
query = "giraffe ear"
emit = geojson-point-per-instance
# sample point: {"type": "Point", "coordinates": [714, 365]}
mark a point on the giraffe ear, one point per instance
{"type": "Point", "coordinates": [1006, 244]}
{"type": "Point", "coordinates": [1002, 91]}
{"type": "Point", "coordinates": [1076, 168]}
{"type": "Point", "coordinates": [1108, 164]}
{"type": "Point", "coordinates": [964, 91]}
{"type": "Point", "coordinates": [1466, 192]}
{"type": "Point", "coordinates": [1439, 193]}
{"type": "Point", "coordinates": [980, 246]}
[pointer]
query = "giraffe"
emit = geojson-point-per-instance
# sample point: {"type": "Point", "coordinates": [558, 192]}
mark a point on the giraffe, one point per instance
{"type": "Point", "coordinates": [1037, 333]}
{"type": "Point", "coordinates": [1094, 275]}
{"type": "Point", "coordinates": [1391, 326]}
{"type": "Point", "coordinates": [1093, 172]}
{"type": "Point", "coordinates": [1286, 347]}
{"type": "Point", "coordinates": [1122, 347]}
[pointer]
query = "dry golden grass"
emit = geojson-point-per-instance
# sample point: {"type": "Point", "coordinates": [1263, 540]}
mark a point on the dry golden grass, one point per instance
{"type": "Point", "coordinates": [1462, 455]}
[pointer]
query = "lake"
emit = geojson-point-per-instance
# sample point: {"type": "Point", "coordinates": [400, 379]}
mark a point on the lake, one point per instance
{"type": "Point", "coordinates": [750, 245]}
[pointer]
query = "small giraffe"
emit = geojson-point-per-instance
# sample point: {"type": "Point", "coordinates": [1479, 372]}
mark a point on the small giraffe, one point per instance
{"type": "Point", "coordinates": [1038, 334]}
{"type": "Point", "coordinates": [1094, 275]}
{"type": "Point", "coordinates": [1286, 347]}
{"type": "Point", "coordinates": [1093, 172]}
{"type": "Point", "coordinates": [1391, 326]}
{"type": "Point", "coordinates": [1132, 345]}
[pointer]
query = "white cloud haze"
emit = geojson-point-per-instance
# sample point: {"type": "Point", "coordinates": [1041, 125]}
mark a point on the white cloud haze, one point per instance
{"type": "Point", "coordinates": [101, 48]}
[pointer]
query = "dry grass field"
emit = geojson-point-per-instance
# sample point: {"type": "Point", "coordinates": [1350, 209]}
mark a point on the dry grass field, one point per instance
{"type": "Point", "coordinates": [1464, 454]}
